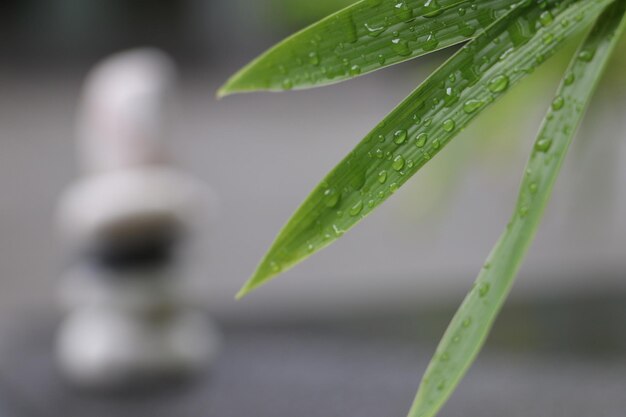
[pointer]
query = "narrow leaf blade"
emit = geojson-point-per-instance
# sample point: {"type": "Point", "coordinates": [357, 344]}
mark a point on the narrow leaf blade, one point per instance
{"type": "Point", "coordinates": [422, 125]}
{"type": "Point", "coordinates": [364, 37]}
{"type": "Point", "coordinates": [470, 326]}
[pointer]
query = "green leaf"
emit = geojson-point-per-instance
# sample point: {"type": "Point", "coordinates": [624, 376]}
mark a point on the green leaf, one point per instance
{"type": "Point", "coordinates": [423, 124]}
{"type": "Point", "coordinates": [364, 37]}
{"type": "Point", "coordinates": [471, 324]}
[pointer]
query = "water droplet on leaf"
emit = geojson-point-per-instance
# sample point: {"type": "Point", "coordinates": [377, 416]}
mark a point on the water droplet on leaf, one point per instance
{"type": "Point", "coordinates": [483, 289]}
{"type": "Point", "coordinates": [331, 197]}
{"type": "Point", "coordinates": [356, 209]}
{"type": "Point", "coordinates": [398, 163]}
{"type": "Point", "coordinates": [499, 84]}
{"type": "Point", "coordinates": [400, 137]}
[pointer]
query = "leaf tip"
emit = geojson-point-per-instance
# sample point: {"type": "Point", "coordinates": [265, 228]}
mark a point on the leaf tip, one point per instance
{"type": "Point", "coordinates": [253, 283]}
{"type": "Point", "coordinates": [242, 293]}
{"type": "Point", "coordinates": [235, 84]}
{"type": "Point", "coordinates": [228, 88]}
{"type": "Point", "coordinates": [232, 87]}
{"type": "Point", "coordinates": [222, 92]}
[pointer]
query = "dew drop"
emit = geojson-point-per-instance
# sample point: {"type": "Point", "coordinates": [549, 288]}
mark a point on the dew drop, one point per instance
{"type": "Point", "coordinates": [558, 103]}
{"type": "Point", "coordinates": [421, 139]}
{"type": "Point", "coordinates": [483, 289]}
{"type": "Point", "coordinates": [546, 18]}
{"type": "Point", "coordinates": [400, 137]}
{"type": "Point", "coordinates": [451, 96]}
{"type": "Point", "coordinates": [374, 31]}
{"type": "Point", "coordinates": [331, 197]}
{"type": "Point", "coordinates": [338, 232]}
{"type": "Point", "coordinates": [401, 47]}
{"type": "Point", "coordinates": [356, 209]}
{"type": "Point", "coordinates": [543, 145]}
{"type": "Point", "coordinates": [499, 84]}
{"type": "Point", "coordinates": [355, 70]}
{"type": "Point", "coordinates": [398, 163]}
{"type": "Point", "coordinates": [523, 211]}
{"type": "Point", "coordinates": [431, 43]}
{"type": "Point", "coordinates": [586, 56]}
{"type": "Point", "coordinates": [275, 267]}
{"type": "Point", "coordinates": [547, 39]}
{"type": "Point", "coordinates": [466, 29]}
{"type": "Point", "coordinates": [449, 125]}
{"type": "Point", "coordinates": [472, 106]}
{"type": "Point", "coordinates": [432, 8]}
{"type": "Point", "coordinates": [403, 11]}
{"type": "Point", "coordinates": [287, 84]}
{"type": "Point", "coordinates": [314, 58]}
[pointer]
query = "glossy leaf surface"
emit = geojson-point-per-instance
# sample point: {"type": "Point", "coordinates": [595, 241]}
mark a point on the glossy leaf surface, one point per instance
{"type": "Point", "coordinates": [369, 35]}
{"type": "Point", "coordinates": [413, 133]}
{"type": "Point", "coordinates": [471, 324]}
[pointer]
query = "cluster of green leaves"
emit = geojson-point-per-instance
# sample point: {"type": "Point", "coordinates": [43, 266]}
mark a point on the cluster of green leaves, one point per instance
{"type": "Point", "coordinates": [505, 41]}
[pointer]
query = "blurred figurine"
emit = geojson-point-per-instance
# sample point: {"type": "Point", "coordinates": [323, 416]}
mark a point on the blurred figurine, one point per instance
{"type": "Point", "coordinates": [125, 224]}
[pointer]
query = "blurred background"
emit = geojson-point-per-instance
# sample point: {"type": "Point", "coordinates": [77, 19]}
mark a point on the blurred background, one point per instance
{"type": "Point", "coordinates": [354, 326]}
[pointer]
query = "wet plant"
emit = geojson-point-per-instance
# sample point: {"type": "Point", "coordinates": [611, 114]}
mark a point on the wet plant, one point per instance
{"type": "Point", "coordinates": [504, 41]}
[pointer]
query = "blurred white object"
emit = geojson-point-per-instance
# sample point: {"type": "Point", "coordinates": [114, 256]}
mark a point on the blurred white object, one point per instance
{"type": "Point", "coordinates": [118, 349]}
{"type": "Point", "coordinates": [125, 223]}
{"type": "Point", "coordinates": [126, 200]}
{"type": "Point", "coordinates": [121, 120]}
